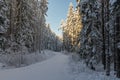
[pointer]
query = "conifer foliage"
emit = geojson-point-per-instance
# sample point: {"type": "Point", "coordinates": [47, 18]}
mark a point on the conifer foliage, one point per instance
{"type": "Point", "coordinates": [71, 28]}
{"type": "Point", "coordinates": [23, 27]}
{"type": "Point", "coordinates": [100, 33]}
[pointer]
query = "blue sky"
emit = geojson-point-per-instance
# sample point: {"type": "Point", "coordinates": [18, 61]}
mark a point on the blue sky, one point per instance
{"type": "Point", "coordinates": [57, 10]}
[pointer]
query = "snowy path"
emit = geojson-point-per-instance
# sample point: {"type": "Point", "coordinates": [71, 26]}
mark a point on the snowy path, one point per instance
{"type": "Point", "coordinates": [59, 67]}
{"type": "Point", "coordinates": [54, 68]}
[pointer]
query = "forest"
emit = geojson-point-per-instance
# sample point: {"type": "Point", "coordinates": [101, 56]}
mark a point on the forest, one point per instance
{"type": "Point", "coordinates": [90, 32]}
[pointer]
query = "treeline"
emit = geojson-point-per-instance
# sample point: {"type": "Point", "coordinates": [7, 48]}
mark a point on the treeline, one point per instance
{"type": "Point", "coordinates": [23, 27]}
{"type": "Point", "coordinates": [51, 40]}
{"type": "Point", "coordinates": [98, 37]}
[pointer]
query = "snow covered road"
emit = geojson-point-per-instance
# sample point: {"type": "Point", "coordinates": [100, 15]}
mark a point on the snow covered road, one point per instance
{"type": "Point", "coordinates": [55, 68]}
{"type": "Point", "coordinates": [58, 67]}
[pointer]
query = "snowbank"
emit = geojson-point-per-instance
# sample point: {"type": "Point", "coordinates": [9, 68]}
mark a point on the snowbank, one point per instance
{"type": "Point", "coordinates": [54, 68]}
{"type": "Point", "coordinates": [79, 71]}
{"type": "Point", "coordinates": [12, 60]}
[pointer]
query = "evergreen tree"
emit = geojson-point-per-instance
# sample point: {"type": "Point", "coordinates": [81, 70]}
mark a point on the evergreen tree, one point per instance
{"type": "Point", "coordinates": [71, 28]}
{"type": "Point", "coordinates": [100, 34]}
{"type": "Point", "coordinates": [3, 24]}
{"type": "Point", "coordinates": [116, 34]}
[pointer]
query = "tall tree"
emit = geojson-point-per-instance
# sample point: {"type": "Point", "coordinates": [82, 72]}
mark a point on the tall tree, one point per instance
{"type": "Point", "coordinates": [118, 44]}
{"type": "Point", "coordinates": [108, 39]}
{"type": "Point", "coordinates": [3, 24]}
{"type": "Point", "coordinates": [71, 29]}
{"type": "Point", "coordinates": [103, 34]}
{"type": "Point", "coordinates": [116, 12]}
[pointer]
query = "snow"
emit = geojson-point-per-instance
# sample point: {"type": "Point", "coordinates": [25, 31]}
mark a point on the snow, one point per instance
{"type": "Point", "coordinates": [118, 45]}
{"type": "Point", "coordinates": [1, 65]}
{"type": "Point", "coordinates": [54, 68]}
{"type": "Point", "coordinates": [12, 60]}
{"type": "Point", "coordinates": [2, 29]}
{"type": "Point", "coordinates": [58, 67]}
{"type": "Point", "coordinates": [79, 71]}
{"type": "Point", "coordinates": [112, 1]}
{"type": "Point", "coordinates": [83, 1]}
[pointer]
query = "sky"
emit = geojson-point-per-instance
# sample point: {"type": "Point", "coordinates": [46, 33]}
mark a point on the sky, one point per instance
{"type": "Point", "coordinates": [57, 10]}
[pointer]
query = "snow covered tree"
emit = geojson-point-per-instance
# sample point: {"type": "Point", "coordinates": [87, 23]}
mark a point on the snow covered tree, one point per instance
{"type": "Point", "coordinates": [100, 32]}
{"type": "Point", "coordinates": [90, 35]}
{"type": "Point", "coordinates": [26, 25]}
{"type": "Point", "coordinates": [118, 44]}
{"type": "Point", "coordinates": [115, 17]}
{"type": "Point", "coordinates": [51, 40]}
{"type": "Point", "coordinates": [71, 28]}
{"type": "Point", "coordinates": [3, 24]}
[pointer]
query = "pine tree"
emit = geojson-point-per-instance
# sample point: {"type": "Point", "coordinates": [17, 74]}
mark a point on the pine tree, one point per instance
{"type": "Point", "coordinates": [26, 18]}
{"type": "Point", "coordinates": [3, 24]}
{"type": "Point", "coordinates": [116, 12]}
{"type": "Point", "coordinates": [71, 28]}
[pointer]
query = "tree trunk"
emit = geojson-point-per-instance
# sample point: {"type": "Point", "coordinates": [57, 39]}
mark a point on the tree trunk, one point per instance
{"type": "Point", "coordinates": [103, 36]}
{"type": "Point", "coordinates": [115, 48]}
{"type": "Point", "coordinates": [108, 40]}
{"type": "Point", "coordinates": [117, 42]}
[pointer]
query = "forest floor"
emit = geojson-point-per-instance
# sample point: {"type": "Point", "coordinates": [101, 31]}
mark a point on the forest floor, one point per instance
{"type": "Point", "coordinates": [58, 67]}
